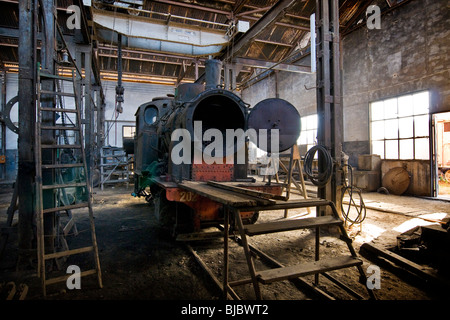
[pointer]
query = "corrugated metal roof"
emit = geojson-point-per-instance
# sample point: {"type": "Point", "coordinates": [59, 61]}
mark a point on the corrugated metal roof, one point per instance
{"type": "Point", "coordinates": [274, 43]}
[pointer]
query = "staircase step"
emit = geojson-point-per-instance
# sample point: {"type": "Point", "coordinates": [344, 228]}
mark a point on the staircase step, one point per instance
{"type": "Point", "coordinates": [285, 273]}
{"type": "Point", "coordinates": [288, 225]}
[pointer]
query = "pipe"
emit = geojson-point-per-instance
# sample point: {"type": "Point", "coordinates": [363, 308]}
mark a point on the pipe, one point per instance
{"type": "Point", "coordinates": [213, 69]}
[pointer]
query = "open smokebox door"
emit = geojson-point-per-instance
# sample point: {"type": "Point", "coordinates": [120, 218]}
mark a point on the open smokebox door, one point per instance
{"type": "Point", "coordinates": [275, 119]}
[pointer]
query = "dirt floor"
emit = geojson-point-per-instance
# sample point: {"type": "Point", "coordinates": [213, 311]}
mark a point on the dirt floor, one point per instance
{"type": "Point", "coordinates": [141, 261]}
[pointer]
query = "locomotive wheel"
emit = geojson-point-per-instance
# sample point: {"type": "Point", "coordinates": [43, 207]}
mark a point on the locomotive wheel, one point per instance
{"type": "Point", "coordinates": [251, 220]}
{"type": "Point", "coordinates": [173, 216]}
{"type": "Point", "coordinates": [165, 210]}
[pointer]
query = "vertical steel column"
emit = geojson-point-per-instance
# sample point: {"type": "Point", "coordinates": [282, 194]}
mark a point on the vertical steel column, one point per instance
{"type": "Point", "coordinates": [88, 105]}
{"type": "Point", "coordinates": [2, 122]}
{"type": "Point", "coordinates": [48, 55]}
{"type": "Point", "coordinates": [27, 115]}
{"type": "Point", "coordinates": [100, 133]}
{"type": "Point", "coordinates": [329, 108]}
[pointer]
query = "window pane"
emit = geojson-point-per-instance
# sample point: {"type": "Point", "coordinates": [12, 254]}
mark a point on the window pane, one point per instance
{"type": "Point", "coordinates": [421, 103]}
{"type": "Point", "coordinates": [422, 150]}
{"type": "Point", "coordinates": [391, 149]}
{"type": "Point", "coordinates": [310, 137]}
{"type": "Point", "coordinates": [150, 115]}
{"type": "Point", "coordinates": [312, 124]}
{"type": "Point", "coordinates": [421, 126]}
{"type": "Point", "coordinates": [406, 126]}
{"type": "Point", "coordinates": [302, 139]}
{"type": "Point", "coordinates": [391, 129]}
{"type": "Point", "coordinates": [377, 111]}
{"type": "Point", "coordinates": [304, 123]}
{"type": "Point", "coordinates": [378, 148]}
{"type": "Point", "coordinates": [390, 108]}
{"type": "Point", "coordinates": [405, 106]}
{"type": "Point", "coordinates": [407, 149]}
{"type": "Point", "coordinates": [377, 130]}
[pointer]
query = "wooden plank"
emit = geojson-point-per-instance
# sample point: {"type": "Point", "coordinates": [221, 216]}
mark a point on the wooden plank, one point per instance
{"type": "Point", "coordinates": [288, 225]}
{"type": "Point", "coordinates": [199, 236]}
{"type": "Point", "coordinates": [56, 93]}
{"type": "Point", "coordinates": [58, 110]}
{"type": "Point", "coordinates": [223, 196]}
{"type": "Point", "coordinates": [246, 191]}
{"type": "Point", "coordinates": [63, 165]}
{"type": "Point", "coordinates": [207, 270]}
{"type": "Point", "coordinates": [65, 277]}
{"type": "Point", "coordinates": [68, 253]}
{"type": "Point", "coordinates": [60, 128]}
{"type": "Point", "coordinates": [65, 185]}
{"type": "Point", "coordinates": [68, 207]}
{"type": "Point", "coordinates": [279, 274]}
{"type": "Point", "coordinates": [405, 263]}
{"type": "Point", "coordinates": [290, 204]}
{"type": "Point", "coordinates": [60, 146]}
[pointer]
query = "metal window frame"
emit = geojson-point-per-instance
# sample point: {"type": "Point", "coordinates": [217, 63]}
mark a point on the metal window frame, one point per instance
{"type": "Point", "coordinates": [414, 137]}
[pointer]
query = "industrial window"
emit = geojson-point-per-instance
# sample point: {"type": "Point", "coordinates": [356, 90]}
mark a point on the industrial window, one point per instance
{"type": "Point", "coordinates": [128, 131]}
{"type": "Point", "coordinates": [308, 133]}
{"type": "Point", "coordinates": [399, 127]}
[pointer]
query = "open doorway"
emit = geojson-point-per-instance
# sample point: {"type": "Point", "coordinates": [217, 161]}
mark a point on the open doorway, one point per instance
{"type": "Point", "coordinates": [441, 122]}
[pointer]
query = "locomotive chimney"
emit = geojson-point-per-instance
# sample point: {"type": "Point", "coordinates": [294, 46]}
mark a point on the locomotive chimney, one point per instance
{"type": "Point", "coordinates": [213, 69]}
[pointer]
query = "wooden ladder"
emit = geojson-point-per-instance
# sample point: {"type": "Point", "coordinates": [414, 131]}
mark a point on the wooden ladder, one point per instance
{"type": "Point", "coordinates": [316, 267]}
{"type": "Point", "coordinates": [60, 186]}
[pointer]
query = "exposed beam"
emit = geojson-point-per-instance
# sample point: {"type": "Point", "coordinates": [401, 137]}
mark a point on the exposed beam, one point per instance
{"type": "Point", "coordinates": [268, 18]}
{"type": "Point", "coordinates": [270, 65]}
{"type": "Point", "coordinates": [193, 6]}
{"type": "Point", "coordinates": [281, 24]}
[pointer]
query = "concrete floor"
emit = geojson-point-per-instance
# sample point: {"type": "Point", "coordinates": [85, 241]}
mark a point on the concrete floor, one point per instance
{"type": "Point", "coordinates": [140, 261]}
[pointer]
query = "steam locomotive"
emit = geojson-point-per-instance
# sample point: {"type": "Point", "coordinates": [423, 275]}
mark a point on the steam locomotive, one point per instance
{"type": "Point", "coordinates": [161, 165]}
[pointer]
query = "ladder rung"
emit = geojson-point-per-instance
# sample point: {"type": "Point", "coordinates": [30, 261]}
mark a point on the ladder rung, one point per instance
{"type": "Point", "coordinates": [288, 225]}
{"type": "Point", "coordinates": [59, 128]}
{"type": "Point", "coordinates": [62, 165]}
{"type": "Point", "coordinates": [61, 146]}
{"type": "Point", "coordinates": [66, 185]}
{"type": "Point", "coordinates": [56, 93]}
{"type": "Point", "coordinates": [58, 110]}
{"type": "Point", "coordinates": [69, 207]}
{"type": "Point", "coordinates": [114, 181]}
{"type": "Point", "coordinates": [52, 76]}
{"type": "Point", "coordinates": [285, 273]}
{"type": "Point", "coordinates": [67, 253]}
{"type": "Point", "coordinates": [65, 277]}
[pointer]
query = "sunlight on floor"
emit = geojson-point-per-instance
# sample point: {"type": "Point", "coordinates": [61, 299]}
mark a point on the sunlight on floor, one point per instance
{"type": "Point", "coordinates": [419, 221]}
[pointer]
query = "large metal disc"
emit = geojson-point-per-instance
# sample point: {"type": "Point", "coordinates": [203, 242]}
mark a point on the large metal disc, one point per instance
{"type": "Point", "coordinates": [278, 114]}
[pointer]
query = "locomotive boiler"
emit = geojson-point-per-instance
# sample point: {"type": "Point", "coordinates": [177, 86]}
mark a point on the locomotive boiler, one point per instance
{"type": "Point", "coordinates": [196, 135]}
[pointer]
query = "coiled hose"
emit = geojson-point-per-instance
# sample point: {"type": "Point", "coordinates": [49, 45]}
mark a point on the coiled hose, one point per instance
{"type": "Point", "coordinates": [351, 191]}
{"type": "Point", "coordinates": [319, 179]}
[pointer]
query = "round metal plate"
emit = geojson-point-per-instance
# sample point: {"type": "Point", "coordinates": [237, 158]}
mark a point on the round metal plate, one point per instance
{"type": "Point", "coordinates": [278, 114]}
